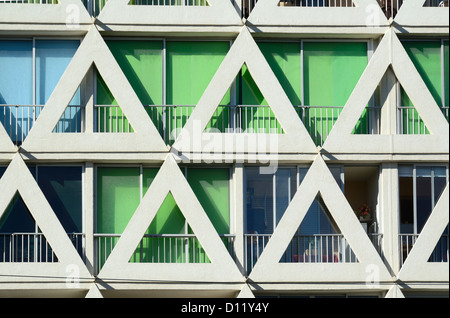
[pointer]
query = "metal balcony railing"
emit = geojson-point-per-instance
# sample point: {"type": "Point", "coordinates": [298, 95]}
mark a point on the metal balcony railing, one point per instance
{"type": "Point", "coordinates": [30, 1]}
{"type": "Point", "coordinates": [318, 248]}
{"type": "Point", "coordinates": [389, 7]}
{"type": "Point", "coordinates": [18, 120]}
{"type": "Point", "coordinates": [200, 3]}
{"type": "Point", "coordinates": [32, 247]}
{"type": "Point", "coordinates": [439, 254]}
{"type": "Point", "coordinates": [409, 121]}
{"type": "Point", "coordinates": [170, 119]}
{"type": "Point", "coordinates": [159, 248]}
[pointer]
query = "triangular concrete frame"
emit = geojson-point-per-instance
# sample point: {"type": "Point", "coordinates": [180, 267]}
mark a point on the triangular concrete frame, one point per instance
{"type": "Point", "coordinates": [390, 52]}
{"type": "Point", "coordinates": [417, 260]}
{"type": "Point", "coordinates": [413, 13]}
{"type": "Point", "coordinates": [94, 51]}
{"type": "Point", "coordinates": [170, 179]}
{"type": "Point", "coordinates": [320, 180]}
{"type": "Point", "coordinates": [6, 144]}
{"type": "Point", "coordinates": [17, 178]}
{"type": "Point", "coordinates": [364, 13]}
{"type": "Point", "coordinates": [218, 12]}
{"type": "Point", "coordinates": [295, 138]}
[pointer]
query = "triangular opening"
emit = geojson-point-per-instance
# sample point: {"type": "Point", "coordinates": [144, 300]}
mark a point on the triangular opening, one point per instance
{"type": "Point", "coordinates": [440, 252]}
{"type": "Point", "coordinates": [316, 3]}
{"type": "Point", "coordinates": [72, 120]}
{"type": "Point", "coordinates": [318, 239]}
{"type": "Point", "coordinates": [196, 3]}
{"type": "Point", "coordinates": [20, 239]}
{"type": "Point", "coordinates": [250, 113]}
{"type": "Point", "coordinates": [169, 238]}
{"type": "Point", "coordinates": [369, 122]}
{"type": "Point", "coordinates": [108, 116]}
{"type": "Point", "coordinates": [409, 120]}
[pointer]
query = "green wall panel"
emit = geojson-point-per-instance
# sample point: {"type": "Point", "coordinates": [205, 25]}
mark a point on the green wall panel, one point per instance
{"type": "Point", "coordinates": [285, 61]}
{"type": "Point", "coordinates": [190, 67]}
{"type": "Point", "coordinates": [331, 72]}
{"type": "Point", "coordinates": [211, 186]}
{"type": "Point", "coordinates": [118, 196]}
{"type": "Point", "coordinates": [141, 62]}
{"type": "Point", "coordinates": [427, 58]}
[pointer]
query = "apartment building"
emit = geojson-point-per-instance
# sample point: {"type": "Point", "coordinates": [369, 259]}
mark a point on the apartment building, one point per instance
{"type": "Point", "coordinates": [224, 148]}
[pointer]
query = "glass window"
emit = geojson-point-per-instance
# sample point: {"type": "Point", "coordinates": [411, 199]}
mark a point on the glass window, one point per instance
{"type": "Point", "coordinates": [267, 197]}
{"type": "Point", "coordinates": [16, 72]}
{"type": "Point", "coordinates": [419, 190]}
{"type": "Point", "coordinates": [62, 186]}
{"type": "Point", "coordinates": [29, 72]}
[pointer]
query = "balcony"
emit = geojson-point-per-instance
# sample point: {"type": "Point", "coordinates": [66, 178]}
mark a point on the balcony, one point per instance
{"type": "Point", "coordinates": [439, 254]}
{"type": "Point", "coordinates": [32, 247]}
{"type": "Point", "coordinates": [318, 248]}
{"type": "Point", "coordinates": [410, 123]}
{"type": "Point", "coordinates": [159, 248]}
{"type": "Point", "coordinates": [389, 7]}
{"type": "Point", "coordinates": [18, 120]}
{"type": "Point", "coordinates": [170, 119]}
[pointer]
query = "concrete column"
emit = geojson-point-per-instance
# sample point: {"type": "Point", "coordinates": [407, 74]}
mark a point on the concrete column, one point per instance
{"type": "Point", "coordinates": [89, 215]}
{"type": "Point", "coordinates": [388, 91]}
{"type": "Point", "coordinates": [238, 213]}
{"type": "Point", "coordinates": [89, 98]}
{"type": "Point", "coordinates": [389, 220]}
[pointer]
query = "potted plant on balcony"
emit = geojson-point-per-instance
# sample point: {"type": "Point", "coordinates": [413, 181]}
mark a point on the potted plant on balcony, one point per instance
{"type": "Point", "coordinates": [364, 212]}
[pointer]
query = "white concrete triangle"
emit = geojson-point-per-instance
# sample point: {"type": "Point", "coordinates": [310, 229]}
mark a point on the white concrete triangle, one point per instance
{"type": "Point", "coordinates": [319, 179]}
{"type": "Point", "coordinates": [6, 145]}
{"type": "Point", "coordinates": [94, 292]}
{"type": "Point", "coordinates": [217, 12]}
{"type": "Point", "coordinates": [390, 52]}
{"type": "Point", "coordinates": [394, 292]}
{"type": "Point", "coordinates": [170, 179]}
{"type": "Point", "coordinates": [18, 179]}
{"type": "Point", "coordinates": [364, 13]}
{"type": "Point", "coordinates": [94, 51]}
{"type": "Point", "coordinates": [416, 266]}
{"type": "Point", "coordinates": [246, 292]}
{"type": "Point", "coordinates": [295, 138]}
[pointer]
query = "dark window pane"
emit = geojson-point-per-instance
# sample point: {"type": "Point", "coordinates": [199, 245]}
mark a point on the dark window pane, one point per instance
{"type": "Point", "coordinates": [63, 189]}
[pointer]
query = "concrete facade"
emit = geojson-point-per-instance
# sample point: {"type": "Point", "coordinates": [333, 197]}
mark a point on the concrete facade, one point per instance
{"type": "Point", "coordinates": [379, 274]}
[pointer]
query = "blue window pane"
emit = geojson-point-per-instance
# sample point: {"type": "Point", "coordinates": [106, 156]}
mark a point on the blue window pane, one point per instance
{"type": "Point", "coordinates": [16, 72]}
{"type": "Point", "coordinates": [16, 87]}
{"type": "Point", "coordinates": [52, 59]}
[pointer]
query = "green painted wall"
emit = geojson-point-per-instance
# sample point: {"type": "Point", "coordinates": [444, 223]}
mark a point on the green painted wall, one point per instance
{"type": "Point", "coordinates": [331, 72]}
